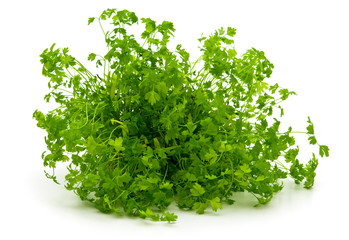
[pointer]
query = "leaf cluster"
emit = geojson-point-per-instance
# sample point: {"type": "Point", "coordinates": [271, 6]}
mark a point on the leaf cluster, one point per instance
{"type": "Point", "coordinates": [153, 128]}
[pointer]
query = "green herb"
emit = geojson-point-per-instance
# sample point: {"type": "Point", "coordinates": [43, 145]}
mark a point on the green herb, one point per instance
{"type": "Point", "coordinates": [152, 128]}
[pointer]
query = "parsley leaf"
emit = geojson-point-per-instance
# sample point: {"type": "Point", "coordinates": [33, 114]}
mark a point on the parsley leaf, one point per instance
{"type": "Point", "coordinates": [153, 128]}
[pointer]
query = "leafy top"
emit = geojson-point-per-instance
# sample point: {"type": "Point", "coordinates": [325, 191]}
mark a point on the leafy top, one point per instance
{"type": "Point", "coordinates": [152, 128]}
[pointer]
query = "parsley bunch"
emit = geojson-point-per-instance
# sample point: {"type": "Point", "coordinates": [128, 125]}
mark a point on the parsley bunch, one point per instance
{"type": "Point", "coordinates": [153, 128]}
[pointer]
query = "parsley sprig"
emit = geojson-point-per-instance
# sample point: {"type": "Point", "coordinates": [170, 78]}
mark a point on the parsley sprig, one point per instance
{"type": "Point", "coordinates": [152, 128]}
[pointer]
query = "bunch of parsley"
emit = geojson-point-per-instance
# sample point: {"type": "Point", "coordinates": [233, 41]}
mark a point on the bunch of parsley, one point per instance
{"type": "Point", "coordinates": [152, 129]}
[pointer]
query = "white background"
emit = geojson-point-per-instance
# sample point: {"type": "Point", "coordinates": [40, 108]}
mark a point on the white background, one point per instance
{"type": "Point", "coordinates": [306, 40]}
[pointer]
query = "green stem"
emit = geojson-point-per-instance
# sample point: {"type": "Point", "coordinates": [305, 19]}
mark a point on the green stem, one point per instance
{"type": "Point", "coordinates": [282, 165]}
{"type": "Point", "coordinates": [87, 71]}
{"type": "Point", "coordinates": [83, 75]}
{"type": "Point", "coordinates": [232, 178]}
{"type": "Point", "coordinates": [100, 24]}
{"type": "Point", "coordinates": [94, 115]}
{"type": "Point", "coordinates": [118, 196]}
{"type": "Point", "coordinates": [64, 90]}
{"type": "Point", "coordinates": [192, 68]}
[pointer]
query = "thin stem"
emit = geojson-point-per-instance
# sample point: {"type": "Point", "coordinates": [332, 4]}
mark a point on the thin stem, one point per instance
{"type": "Point", "coordinates": [165, 173]}
{"type": "Point", "coordinates": [86, 118]}
{"type": "Point", "coordinates": [100, 24]}
{"type": "Point", "coordinates": [105, 39]}
{"type": "Point", "coordinates": [80, 73]}
{"type": "Point", "coordinates": [71, 75]}
{"type": "Point", "coordinates": [64, 90]}
{"type": "Point", "coordinates": [192, 68]}
{"type": "Point", "coordinates": [80, 64]}
{"type": "Point", "coordinates": [111, 134]}
{"type": "Point", "coordinates": [94, 115]}
{"type": "Point", "coordinates": [118, 196]}
{"type": "Point", "coordinates": [282, 165]}
{"type": "Point", "coordinates": [232, 177]}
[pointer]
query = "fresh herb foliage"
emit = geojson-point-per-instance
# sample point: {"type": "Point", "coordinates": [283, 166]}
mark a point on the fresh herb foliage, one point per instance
{"type": "Point", "coordinates": [153, 129]}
